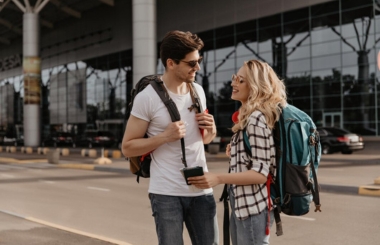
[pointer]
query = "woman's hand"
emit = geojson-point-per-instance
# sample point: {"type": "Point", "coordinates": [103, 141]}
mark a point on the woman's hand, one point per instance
{"type": "Point", "coordinates": [228, 150]}
{"type": "Point", "coordinates": [205, 181]}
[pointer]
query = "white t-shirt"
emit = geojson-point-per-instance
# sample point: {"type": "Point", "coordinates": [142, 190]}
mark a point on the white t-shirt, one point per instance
{"type": "Point", "coordinates": [165, 175]}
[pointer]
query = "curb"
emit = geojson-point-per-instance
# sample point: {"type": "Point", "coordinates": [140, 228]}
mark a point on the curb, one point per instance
{"type": "Point", "coordinates": [365, 190]}
{"type": "Point", "coordinates": [369, 190]}
{"type": "Point", "coordinates": [107, 153]}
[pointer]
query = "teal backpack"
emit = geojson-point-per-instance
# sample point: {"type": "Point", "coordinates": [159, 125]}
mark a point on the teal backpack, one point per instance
{"type": "Point", "coordinates": [298, 153]}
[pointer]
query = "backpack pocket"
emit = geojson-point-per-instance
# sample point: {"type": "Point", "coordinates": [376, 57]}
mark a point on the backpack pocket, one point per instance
{"type": "Point", "coordinates": [298, 195]}
{"type": "Point", "coordinates": [297, 179]}
{"type": "Point", "coordinates": [297, 205]}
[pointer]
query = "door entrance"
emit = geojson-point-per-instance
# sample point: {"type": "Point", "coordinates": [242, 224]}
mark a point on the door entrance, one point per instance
{"type": "Point", "coordinates": [332, 119]}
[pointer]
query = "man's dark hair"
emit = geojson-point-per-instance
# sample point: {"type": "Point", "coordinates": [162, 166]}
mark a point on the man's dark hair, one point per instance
{"type": "Point", "coordinates": [177, 44]}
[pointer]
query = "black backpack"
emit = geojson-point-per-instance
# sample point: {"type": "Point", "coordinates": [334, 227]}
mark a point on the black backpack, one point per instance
{"type": "Point", "coordinates": [140, 165]}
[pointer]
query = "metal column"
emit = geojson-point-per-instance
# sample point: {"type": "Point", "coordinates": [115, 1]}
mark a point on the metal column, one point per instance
{"type": "Point", "coordinates": [32, 79]}
{"type": "Point", "coordinates": [144, 38]}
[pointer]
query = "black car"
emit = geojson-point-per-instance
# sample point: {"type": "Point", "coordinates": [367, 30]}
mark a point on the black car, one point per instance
{"type": "Point", "coordinates": [94, 138]}
{"type": "Point", "coordinates": [59, 139]}
{"type": "Point", "coordinates": [339, 140]}
{"type": "Point", "coordinates": [13, 141]}
{"type": "Point", "coordinates": [225, 136]}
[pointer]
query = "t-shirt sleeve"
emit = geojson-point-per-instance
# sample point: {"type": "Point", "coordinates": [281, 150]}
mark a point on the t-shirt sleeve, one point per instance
{"type": "Point", "coordinates": [142, 105]}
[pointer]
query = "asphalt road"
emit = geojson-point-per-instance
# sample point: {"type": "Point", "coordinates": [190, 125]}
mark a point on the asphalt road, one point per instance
{"type": "Point", "coordinates": [42, 203]}
{"type": "Point", "coordinates": [48, 205]}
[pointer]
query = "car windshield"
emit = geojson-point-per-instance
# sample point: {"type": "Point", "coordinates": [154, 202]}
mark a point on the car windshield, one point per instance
{"type": "Point", "coordinates": [91, 134]}
{"type": "Point", "coordinates": [105, 133]}
{"type": "Point", "coordinates": [337, 131]}
{"type": "Point", "coordinates": [64, 134]}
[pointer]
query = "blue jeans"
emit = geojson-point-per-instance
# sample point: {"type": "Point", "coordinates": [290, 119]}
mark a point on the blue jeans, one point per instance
{"type": "Point", "coordinates": [250, 231]}
{"type": "Point", "coordinates": [198, 213]}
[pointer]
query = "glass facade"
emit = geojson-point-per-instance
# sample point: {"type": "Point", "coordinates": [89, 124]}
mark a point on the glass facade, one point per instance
{"type": "Point", "coordinates": [326, 54]}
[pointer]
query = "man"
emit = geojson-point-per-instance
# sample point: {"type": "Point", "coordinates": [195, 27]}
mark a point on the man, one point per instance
{"type": "Point", "coordinates": [173, 201]}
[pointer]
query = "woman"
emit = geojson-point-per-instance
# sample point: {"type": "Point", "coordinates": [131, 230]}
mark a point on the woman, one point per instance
{"type": "Point", "coordinates": [262, 95]}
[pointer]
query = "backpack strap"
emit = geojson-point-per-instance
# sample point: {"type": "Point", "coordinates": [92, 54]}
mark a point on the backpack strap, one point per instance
{"type": "Point", "coordinates": [195, 98]}
{"type": "Point", "coordinates": [226, 214]}
{"type": "Point", "coordinates": [247, 145]}
{"type": "Point", "coordinates": [158, 85]}
{"type": "Point", "coordinates": [314, 142]}
{"type": "Point", "coordinates": [277, 210]}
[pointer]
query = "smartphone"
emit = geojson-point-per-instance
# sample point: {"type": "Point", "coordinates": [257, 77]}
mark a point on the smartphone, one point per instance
{"type": "Point", "coordinates": [190, 172]}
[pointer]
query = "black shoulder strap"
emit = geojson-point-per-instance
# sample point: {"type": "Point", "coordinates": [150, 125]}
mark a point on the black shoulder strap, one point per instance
{"type": "Point", "coordinates": [158, 85]}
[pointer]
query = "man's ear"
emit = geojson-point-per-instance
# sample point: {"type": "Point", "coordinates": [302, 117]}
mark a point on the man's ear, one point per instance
{"type": "Point", "coordinates": [170, 63]}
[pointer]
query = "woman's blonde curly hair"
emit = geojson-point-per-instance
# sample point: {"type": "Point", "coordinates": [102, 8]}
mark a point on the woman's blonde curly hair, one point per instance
{"type": "Point", "coordinates": [267, 94]}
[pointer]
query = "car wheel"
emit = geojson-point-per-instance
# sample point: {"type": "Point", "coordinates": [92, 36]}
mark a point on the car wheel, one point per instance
{"type": "Point", "coordinates": [326, 149]}
{"type": "Point", "coordinates": [347, 152]}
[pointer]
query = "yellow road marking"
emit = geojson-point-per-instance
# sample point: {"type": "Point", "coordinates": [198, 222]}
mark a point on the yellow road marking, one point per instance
{"type": "Point", "coordinates": [76, 165]}
{"type": "Point", "coordinates": [13, 160]}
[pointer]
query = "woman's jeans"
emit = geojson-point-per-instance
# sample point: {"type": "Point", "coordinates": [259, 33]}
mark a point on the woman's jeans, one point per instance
{"type": "Point", "coordinates": [198, 213]}
{"type": "Point", "coordinates": [250, 231]}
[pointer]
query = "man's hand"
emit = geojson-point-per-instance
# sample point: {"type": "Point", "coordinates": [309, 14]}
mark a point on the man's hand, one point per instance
{"type": "Point", "coordinates": [206, 124]}
{"type": "Point", "coordinates": [174, 131]}
{"type": "Point", "coordinates": [205, 121]}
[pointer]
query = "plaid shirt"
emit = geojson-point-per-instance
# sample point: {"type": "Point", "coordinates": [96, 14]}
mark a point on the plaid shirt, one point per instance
{"type": "Point", "coordinates": [252, 199]}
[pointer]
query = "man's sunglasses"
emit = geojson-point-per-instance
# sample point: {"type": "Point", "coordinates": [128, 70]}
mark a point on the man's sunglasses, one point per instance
{"type": "Point", "coordinates": [192, 63]}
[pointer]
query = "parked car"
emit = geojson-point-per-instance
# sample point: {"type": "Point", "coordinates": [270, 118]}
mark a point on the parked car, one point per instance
{"type": "Point", "coordinates": [225, 137]}
{"type": "Point", "coordinates": [339, 140]}
{"type": "Point", "coordinates": [56, 139]}
{"type": "Point", "coordinates": [92, 138]}
{"type": "Point", "coordinates": [12, 136]}
{"type": "Point", "coordinates": [13, 141]}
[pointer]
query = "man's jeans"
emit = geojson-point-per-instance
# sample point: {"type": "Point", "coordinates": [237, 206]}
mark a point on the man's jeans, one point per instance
{"type": "Point", "coordinates": [250, 231]}
{"type": "Point", "coordinates": [198, 213]}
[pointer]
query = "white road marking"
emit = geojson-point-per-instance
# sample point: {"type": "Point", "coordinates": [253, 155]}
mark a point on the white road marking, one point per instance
{"type": "Point", "coordinates": [336, 170]}
{"type": "Point", "coordinates": [97, 188]}
{"type": "Point", "coordinates": [299, 217]}
{"type": "Point", "coordinates": [47, 181]}
{"type": "Point", "coordinates": [83, 233]}
{"type": "Point", "coordinates": [7, 175]}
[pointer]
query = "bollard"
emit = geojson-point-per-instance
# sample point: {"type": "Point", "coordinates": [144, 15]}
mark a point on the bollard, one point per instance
{"type": "Point", "coordinates": [53, 156]}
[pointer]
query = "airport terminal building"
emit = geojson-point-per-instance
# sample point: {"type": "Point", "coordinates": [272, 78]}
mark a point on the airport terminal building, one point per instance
{"type": "Point", "coordinates": [69, 65]}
